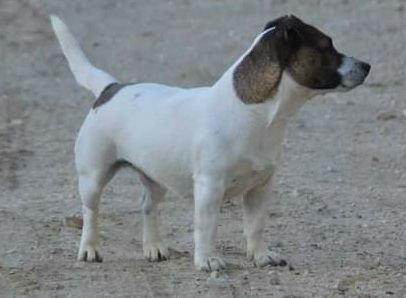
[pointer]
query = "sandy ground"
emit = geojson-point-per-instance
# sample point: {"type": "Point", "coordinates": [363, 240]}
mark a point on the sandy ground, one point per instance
{"type": "Point", "coordinates": [338, 211]}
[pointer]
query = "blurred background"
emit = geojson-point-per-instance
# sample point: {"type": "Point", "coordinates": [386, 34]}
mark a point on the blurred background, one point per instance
{"type": "Point", "coordinates": [338, 211]}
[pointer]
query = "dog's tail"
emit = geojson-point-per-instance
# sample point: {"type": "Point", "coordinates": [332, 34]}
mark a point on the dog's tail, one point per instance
{"type": "Point", "coordinates": [85, 73]}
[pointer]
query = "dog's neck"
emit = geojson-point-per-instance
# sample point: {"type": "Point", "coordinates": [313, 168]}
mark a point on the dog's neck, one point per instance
{"type": "Point", "coordinates": [282, 105]}
{"type": "Point", "coordinates": [286, 102]}
{"type": "Point", "coordinates": [260, 127]}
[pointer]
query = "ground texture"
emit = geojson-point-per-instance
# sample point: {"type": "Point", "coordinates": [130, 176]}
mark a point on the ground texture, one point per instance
{"type": "Point", "coordinates": [338, 212]}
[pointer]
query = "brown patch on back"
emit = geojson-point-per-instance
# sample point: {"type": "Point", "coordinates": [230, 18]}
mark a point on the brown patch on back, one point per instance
{"type": "Point", "coordinates": [257, 77]}
{"type": "Point", "coordinates": [108, 93]}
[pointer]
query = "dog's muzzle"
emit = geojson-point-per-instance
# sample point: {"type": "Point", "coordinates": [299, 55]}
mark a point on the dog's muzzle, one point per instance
{"type": "Point", "coordinates": [353, 72]}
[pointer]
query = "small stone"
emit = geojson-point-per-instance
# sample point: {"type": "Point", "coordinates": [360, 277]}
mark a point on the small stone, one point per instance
{"type": "Point", "coordinates": [301, 125]}
{"type": "Point", "coordinates": [278, 244]}
{"type": "Point", "coordinates": [15, 122]}
{"type": "Point", "coordinates": [74, 222]}
{"type": "Point", "coordinates": [146, 34]}
{"type": "Point", "coordinates": [305, 273]}
{"type": "Point", "coordinates": [59, 287]}
{"type": "Point", "coordinates": [11, 251]}
{"type": "Point", "coordinates": [345, 284]}
{"type": "Point", "coordinates": [215, 280]}
{"type": "Point", "coordinates": [385, 116]}
{"type": "Point", "coordinates": [315, 246]}
{"type": "Point", "coordinates": [331, 169]}
{"type": "Point", "coordinates": [274, 279]}
{"type": "Point", "coordinates": [215, 274]}
{"type": "Point", "coordinates": [12, 271]}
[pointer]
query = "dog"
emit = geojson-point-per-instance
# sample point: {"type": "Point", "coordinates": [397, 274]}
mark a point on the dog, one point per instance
{"type": "Point", "coordinates": [213, 142]}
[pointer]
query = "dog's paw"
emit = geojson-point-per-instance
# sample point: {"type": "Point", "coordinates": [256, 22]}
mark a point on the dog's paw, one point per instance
{"type": "Point", "coordinates": [210, 264]}
{"type": "Point", "coordinates": [155, 252]}
{"type": "Point", "coordinates": [89, 255]}
{"type": "Point", "coordinates": [266, 258]}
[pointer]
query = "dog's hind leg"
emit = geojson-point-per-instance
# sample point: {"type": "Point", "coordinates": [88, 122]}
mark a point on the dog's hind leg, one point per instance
{"type": "Point", "coordinates": [154, 248]}
{"type": "Point", "coordinates": [90, 188]}
{"type": "Point", "coordinates": [95, 163]}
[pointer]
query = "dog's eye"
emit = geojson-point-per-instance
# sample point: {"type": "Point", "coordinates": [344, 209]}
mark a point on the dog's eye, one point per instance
{"type": "Point", "coordinates": [329, 43]}
{"type": "Point", "coordinates": [325, 43]}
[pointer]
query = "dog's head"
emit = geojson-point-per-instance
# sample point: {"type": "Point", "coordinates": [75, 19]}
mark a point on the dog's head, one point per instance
{"type": "Point", "coordinates": [305, 53]}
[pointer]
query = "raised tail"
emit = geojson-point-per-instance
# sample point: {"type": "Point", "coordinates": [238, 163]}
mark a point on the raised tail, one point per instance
{"type": "Point", "coordinates": [85, 73]}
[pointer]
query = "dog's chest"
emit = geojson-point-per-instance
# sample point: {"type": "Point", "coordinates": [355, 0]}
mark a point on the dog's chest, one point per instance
{"type": "Point", "coordinates": [242, 182]}
{"type": "Point", "coordinates": [261, 157]}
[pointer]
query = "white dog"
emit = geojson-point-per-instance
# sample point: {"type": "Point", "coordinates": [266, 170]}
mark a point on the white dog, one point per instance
{"type": "Point", "coordinates": [210, 142]}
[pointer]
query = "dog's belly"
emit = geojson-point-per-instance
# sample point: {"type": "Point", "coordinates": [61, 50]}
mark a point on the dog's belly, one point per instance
{"type": "Point", "coordinates": [180, 179]}
{"type": "Point", "coordinates": [236, 185]}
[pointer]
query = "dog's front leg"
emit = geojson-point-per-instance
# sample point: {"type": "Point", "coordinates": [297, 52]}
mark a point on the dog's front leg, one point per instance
{"type": "Point", "coordinates": [208, 195]}
{"type": "Point", "coordinates": [255, 206]}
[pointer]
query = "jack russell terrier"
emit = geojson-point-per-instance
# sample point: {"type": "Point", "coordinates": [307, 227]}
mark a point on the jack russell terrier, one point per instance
{"type": "Point", "coordinates": [213, 142]}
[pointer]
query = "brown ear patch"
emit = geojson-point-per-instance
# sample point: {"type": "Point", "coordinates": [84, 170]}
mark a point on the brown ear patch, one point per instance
{"type": "Point", "coordinates": [108, 93]}
{"type": "Point", "coordinates": [257, 77]}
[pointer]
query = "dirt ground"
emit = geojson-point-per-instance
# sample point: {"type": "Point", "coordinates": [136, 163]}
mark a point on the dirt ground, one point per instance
{"type": "Point", "coordinates": [338, 212]}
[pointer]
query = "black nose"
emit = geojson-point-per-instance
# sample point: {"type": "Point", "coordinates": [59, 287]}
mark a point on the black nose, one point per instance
{"type": "Point", "coordinates": [365, 67]}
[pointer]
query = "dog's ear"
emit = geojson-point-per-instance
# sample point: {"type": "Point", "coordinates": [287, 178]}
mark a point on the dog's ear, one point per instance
{"type": "Point", "coordinates": [257, 77]}
{"type": "Point", "coordinates": [288, 37]}
{"type": "Point", "coordinates": [274, 23]}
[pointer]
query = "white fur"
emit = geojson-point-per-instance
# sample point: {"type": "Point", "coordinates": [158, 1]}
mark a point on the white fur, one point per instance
{"type": "Point", "coordinates": [201, 141]}
{"type": "Point", "coordinates": [351, 73]}
{"type": "Point", "coordinates": [346, 66]}
{"type": "Point", "coordinates": [85, 74]}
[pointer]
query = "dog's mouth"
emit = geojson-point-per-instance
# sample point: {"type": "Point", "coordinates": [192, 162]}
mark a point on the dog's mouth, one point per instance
{"type": "Point", "coordinates": [351, 85]}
